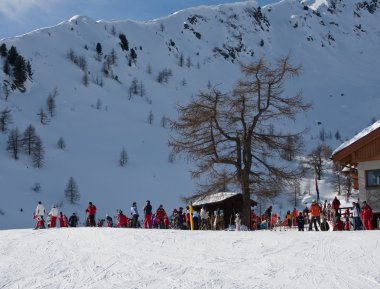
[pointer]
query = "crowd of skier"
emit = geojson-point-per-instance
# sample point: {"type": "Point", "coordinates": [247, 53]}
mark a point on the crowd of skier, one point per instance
{"type": "Point", "coordinates": [159, 219]}
{"type": "Point", "coordinates": [320, 216]}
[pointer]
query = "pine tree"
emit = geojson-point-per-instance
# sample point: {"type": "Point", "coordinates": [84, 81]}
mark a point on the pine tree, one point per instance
{"type": "Point", "coordinates": [123, 42]}
{"type": "Point", "coordinates": [12, 55]}
{"type": "Point", "coordinates": [3, 50]}
{"type": "Point", "coordinates": [150, 117]}
{"type": "Point", "coordinates": [181, 60]}
{"type": "Point", "coordinates": [42, 116]}
{"type": "Point", "coordinates": [6, 90]}
{"type": "Point", "coordinates": [98, 104]}
{"type": "Point", "coordinates": [98, 48]}
{"type": "Point", "coordinates": [113, 57]}
{"type": "Point", "coordinates": [85, 80]}
{"type": "Point", "coordinates": [123, 158]}
{"type": "Point", "coordinates": [188, 62]}
{"type": "Point", "coordinates": [133, 89]}
{"type": "Point", "coordinates": [337, 135]}
{"type": "Point", "coordinates": [29, 139]}
{"type": "Point", "coordinates": [142, 91]}
{"type": "Point", "coordinates": [38, 153]}
{"type": "Point", "coordinates": [36, 187]}
{"type": "Point", "coordinates": [113, 30]}
{"type": "Point", "coordinates": [50, 102]}
{"type": "Point", "coordinates": [133, 55]}
{"type": "Point", "coordinates": [149, 69]}
{"type": "Point", "coordinates": [20, 73]}
{"type": "Point", "coordinates": [72, 192]}
{"type": "Point", "coordinates": [5, 119]}
{"type": "Point", "coordinates": [164, 121]}
{"type": "Point", "coordinates": [14, 143]}
{"type": "Point", "coordinates": [61, 143]}
{"type": "Point", "coordinates": [6, 67]}
{"type": "Point", "coordinates": [29, 70]}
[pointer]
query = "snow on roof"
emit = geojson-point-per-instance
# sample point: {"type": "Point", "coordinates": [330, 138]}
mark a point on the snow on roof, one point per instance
{"type": "Point", "coordinates": [358, 136]}
{"type": "Point", "coordinates": [214, 198]}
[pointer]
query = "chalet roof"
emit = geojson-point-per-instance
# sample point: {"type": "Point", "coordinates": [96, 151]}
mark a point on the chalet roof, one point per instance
{"type": "Point", "coordinates": [214, 198]}
{"type": "Point", "coordinates": [358, 140]}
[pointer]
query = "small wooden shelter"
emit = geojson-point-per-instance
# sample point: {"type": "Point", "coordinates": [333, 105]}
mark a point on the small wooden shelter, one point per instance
{"type": "Point", "coordinates": [228, 203]}
{"type": "Point", "coordinates": [360, 157]}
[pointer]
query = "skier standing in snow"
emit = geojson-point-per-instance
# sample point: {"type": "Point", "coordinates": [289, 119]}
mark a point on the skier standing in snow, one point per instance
{"type": "Point", "coordinates": [336, 206]}
{"type": "Point", "coordinates": [174, 219]}
{"type": "Point", "coordinates": [148, 215]}
{"type": "Point", "coordinates": [73, 220]}
{"type": "Point", "coordinates": [62, 220]}
{"type": "Point", "coordinates": [330, 213]}
{"type": "Point", "coordinates": [53, 216]}
{"type": "Point", "coordinates": [346, 216]}
{"type": "Point", "coordinates": [161, 215]}
{"type": "Point", "coordinates": [306, 215]}
{"type": "Point", "coordinates": [315, 211]}
{"type": "Point", "coordinates": [109, 222]}
{"type": "Point", "coordinates": [300, 221]}
{"type": "Point", "coordinates": [204, 217]}
{"type": "Point", "coordinates": [367, 216]}
{"type": "Point", "coordinates": [40, 210]}
{"type": "Point", "coordinates": [122, 220]}
{"type": "Point", "coordinates": [40, 222]}
{"type": "Point", "coordinates": [237, 222]}
{"type": "Point", "coordinates": [268, 215]}
{"type": "Point", "coordinates": [356, 215]}
{"type": "Point", "coordinates": [181, 219]}
{"type": "Point", "coordinates": [289, 219]}
{"type": "Point", "coordinates": [324, 224]}
{"type": "Point", "coordinates": [295, 215]}
{"type": "Point", "coordinates": [135, 215]}
{"type": "Point", "coordinates": [91, 211]}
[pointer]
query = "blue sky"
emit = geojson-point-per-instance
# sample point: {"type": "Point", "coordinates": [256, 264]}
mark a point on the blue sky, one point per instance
{"type": "Point", "coordinates": [22, 16]}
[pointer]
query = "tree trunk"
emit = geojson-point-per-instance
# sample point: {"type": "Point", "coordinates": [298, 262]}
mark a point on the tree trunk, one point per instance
{"type": "Point", "coordinates": [246, 211]}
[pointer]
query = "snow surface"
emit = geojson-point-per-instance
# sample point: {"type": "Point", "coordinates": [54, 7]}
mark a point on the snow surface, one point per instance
{"type": "Point", "coordinates": [127, 258]}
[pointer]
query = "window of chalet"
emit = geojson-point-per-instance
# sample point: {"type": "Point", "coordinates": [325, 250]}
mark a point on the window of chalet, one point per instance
{"type": "Point", "coordinates": [372, 178]}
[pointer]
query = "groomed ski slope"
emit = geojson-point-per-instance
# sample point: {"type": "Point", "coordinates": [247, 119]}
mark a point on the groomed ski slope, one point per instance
{"type": "Point", "coordinates": [134, 258]}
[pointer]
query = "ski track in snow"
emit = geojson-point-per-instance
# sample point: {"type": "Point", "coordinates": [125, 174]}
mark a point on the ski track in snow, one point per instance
{"type": "Point", "coordinates": [127, 258]}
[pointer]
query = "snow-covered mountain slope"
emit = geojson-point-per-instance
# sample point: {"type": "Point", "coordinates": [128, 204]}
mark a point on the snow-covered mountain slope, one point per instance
{"type": "Point", "coordinates": [337, 43]}
{"type": "Point", "coordinates": [127, 258]}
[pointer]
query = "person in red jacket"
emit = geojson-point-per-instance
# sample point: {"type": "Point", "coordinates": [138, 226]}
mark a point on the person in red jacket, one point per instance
{"type": "Point", "coordinates": [161, 215]}
{"type": "Point", "coordinates": [295, 215]}
{"type": "Point", "coordinates": [91, 211]}
{"type": "Point", "coordinates": [346, 216]}
{"type": "Point", "coordinates": [122, 220]}
{"type": "Point", "coordinates": [40, 222]}
{"type": "Point", "coordinates": [367, 216]}
{"type": "Point", "coordinates": [166, 222]}
{"type": "Point", "coordinates": [63, 222]}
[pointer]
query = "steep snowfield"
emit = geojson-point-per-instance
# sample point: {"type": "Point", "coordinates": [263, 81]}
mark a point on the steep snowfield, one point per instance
{"type": "Point", "coordinates": [127, 258]}
{"type": "Point", "coordinates": [340, 76]}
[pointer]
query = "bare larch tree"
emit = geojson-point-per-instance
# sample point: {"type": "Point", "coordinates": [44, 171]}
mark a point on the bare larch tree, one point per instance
{"type": "Point", "coordinates": [232, 137]}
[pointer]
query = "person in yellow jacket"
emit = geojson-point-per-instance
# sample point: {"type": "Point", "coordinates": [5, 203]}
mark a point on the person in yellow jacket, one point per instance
{"type": "Point", "coordinates": [315, 212]}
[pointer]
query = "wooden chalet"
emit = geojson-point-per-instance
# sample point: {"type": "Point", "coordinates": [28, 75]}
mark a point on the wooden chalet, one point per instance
{"type": "Point", "coordinates": [360, 157]}
{"type": "Point", "coordinates": [228, 203]}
